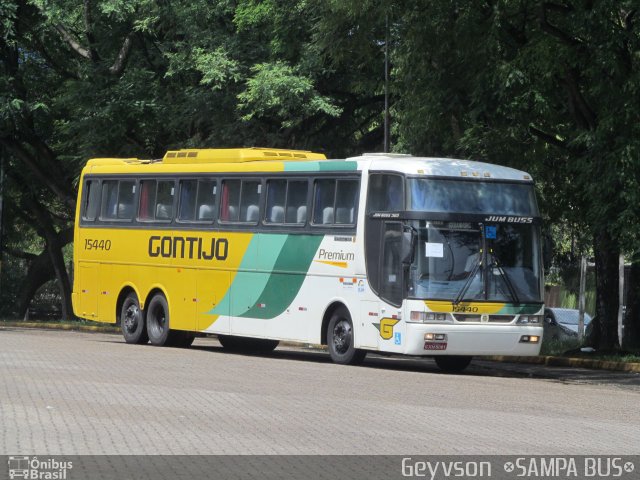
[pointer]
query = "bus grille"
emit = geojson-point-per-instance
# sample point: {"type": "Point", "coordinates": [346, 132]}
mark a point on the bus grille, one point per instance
{"type": "Point", "coordinates": [476, 318]}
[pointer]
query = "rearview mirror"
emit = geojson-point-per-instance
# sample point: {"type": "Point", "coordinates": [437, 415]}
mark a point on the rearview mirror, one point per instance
{"type": "Point", "coordinates": [408, 249]}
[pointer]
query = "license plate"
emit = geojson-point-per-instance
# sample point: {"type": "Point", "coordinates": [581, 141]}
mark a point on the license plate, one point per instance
{"type": "Point", "coordinates": [435, 346]}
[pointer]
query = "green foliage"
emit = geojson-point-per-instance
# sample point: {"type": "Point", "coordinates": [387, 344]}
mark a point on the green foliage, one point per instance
{"type": "Point", "coordinates": [276, 91]}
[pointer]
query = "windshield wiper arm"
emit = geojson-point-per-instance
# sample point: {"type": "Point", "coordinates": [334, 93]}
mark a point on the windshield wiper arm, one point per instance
{"type": "Point", "coordinates": [467, 283]}
{"type": "Point", "coordinates": [507, 280]}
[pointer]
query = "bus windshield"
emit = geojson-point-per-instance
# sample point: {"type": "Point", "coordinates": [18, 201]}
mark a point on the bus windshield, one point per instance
{"type": "Point", "coordinates": [472, 261]}
{"type": "Point", "coordinates": [471, 196]}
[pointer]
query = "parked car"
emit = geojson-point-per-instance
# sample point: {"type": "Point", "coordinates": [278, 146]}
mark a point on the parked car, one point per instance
{"type": "Point", "coordinates": [562, 323]}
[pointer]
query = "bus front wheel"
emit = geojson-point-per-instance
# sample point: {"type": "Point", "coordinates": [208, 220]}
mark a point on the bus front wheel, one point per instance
{"type": "Point", "coordinates": [453, 363]}
{"type": "Point", "coordinates": [132, 321]}
{"type": "Point", "coordinates": [340, 339]}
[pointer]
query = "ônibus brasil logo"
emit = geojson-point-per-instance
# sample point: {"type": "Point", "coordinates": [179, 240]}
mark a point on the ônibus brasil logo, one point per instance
{"type": "Point", "coordinates": [33, 468]}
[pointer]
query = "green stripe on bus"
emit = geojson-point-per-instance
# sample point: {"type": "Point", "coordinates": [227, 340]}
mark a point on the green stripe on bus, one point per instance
{"type": "Point", "coordinates": [324, 166]}
{"type": "Point", "coordinates": [296, 256]}
{"type": "Point", "coordinates": [247, 284]}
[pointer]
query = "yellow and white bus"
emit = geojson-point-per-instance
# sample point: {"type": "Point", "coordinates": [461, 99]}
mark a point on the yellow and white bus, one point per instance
{"type": "Point", "coordinates": [383, 252]}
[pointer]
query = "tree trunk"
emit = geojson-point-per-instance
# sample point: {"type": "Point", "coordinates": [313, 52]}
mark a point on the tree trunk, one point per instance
{"type": "Point", "coordinates": [606, 255]}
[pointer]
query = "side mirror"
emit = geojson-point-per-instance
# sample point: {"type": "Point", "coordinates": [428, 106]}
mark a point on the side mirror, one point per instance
{"type": "Point", "coordinates": [408, 247]}
{"type": "Point", "coordinates": [549, 320]}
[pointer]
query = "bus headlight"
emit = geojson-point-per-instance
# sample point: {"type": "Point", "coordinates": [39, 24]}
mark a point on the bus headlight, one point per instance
{"type": "Point", "coordinates": [423, 317]}
{"type": "Point", "coordinates": [529, 339]}
{"type": "Point", "coordinates": [529, 320]}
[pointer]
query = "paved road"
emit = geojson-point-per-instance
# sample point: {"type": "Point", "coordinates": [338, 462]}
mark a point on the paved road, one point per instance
{"type": "Point", "coordinates": [81, 393]}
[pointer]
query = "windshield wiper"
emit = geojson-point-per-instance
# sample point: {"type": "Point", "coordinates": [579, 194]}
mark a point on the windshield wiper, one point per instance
{"type": "Point", "coordinates": [507, 280]}
{"type": "Point", "coordinates": [467, 283]}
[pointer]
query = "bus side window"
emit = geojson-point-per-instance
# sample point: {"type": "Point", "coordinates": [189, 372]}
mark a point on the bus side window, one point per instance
{"type": "Point", "coordinates": [346, 200]}
{"type": "Point", "coordinates": [206, 200]}
{"type": "Point", "coordinates": [117, 199]}
{"type": "Point", "coordinates": [109, 200]}
{"type": "Point", "coordinates": [324, 197]}
{"type": "Point", "coordinates": [250, 201]}
{"type": "Point", "coordinates": [91, 200]}
{"type": "Point", "coordinates": [385, 193]}
{"type": "Point", "coordinates": [147, 200]}
{"type": "Point", "coordinates": [126, 194]}
{"type": "Point", "coordinates": [230, 202]}
{"type": "Point", "coordinates": [164, 200]}
{"type": "Point", "coordinates": [187, 208]}
{"type": "Point", "coordinates": [296, 209]}
{"type": "Point", "coordinates": [276, 200]}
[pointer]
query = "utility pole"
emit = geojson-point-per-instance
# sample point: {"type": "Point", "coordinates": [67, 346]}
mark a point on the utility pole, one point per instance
{"type": "Point", "coordinates": [386, 85]}
{"type": "Point", "coordinates": [620, 297]}
{"type": "Point", "coordinates": [581, 297]}
{"type": "Point", "coordinates": [2, 154]}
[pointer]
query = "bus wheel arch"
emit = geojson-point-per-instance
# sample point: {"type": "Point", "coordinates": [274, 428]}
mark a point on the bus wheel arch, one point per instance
{"type": "Point", "coordinates": [328, 313]}
{"type": "Point", "coordinates": [124, 293]}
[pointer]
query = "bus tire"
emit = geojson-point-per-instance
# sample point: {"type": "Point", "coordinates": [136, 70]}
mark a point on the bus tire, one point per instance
{"type": "Point", "coordinates": [132, 321]}
{"type": "Point", "coordinates": [340, 339]}
{"type": "Point", "coordinates": [158, 321]}
{"type": "Point", "coordinates": [452, 363]}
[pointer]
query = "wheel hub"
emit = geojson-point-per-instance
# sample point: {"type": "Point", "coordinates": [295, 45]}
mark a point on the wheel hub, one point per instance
{"type": "Point", "coordinates": [131, 318]}
{"type": "Point", "coordinates": [342, 336]}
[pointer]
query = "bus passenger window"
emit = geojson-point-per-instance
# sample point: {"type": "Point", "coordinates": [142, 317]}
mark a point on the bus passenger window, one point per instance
{"type": "Point", "coordinates": [230, 202]}
{"type": "Point", "coordinates": [323, 202]}
{"type": "Point", "coordinates": [187, 209]}
{"type": "Point", "coordinates": [109, 199]}
{"type": "Point", "coordinates": [164, 200]}
{"type": "Point", "coordinates": [147, 200]}
{"type": "Point", "coordinates": [126, 193]}
{"type": "Point", "coordinates": [276, 199]}
{"type": "Point", "coordinates": [250, 201]}
{"type": "Point", "coordinates": [117, 199]}
{"type": "Point", "coordinates": [296, 210]}
{"type": "Point", "coordinates": [346, 199]}
{"type": "Point", "coordinates": [92, 200]}
{"type": "Point", "coordinates": [206, 200]}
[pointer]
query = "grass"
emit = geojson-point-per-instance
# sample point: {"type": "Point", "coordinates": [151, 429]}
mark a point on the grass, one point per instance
{"type": "Point", "coordinates": [571, 349]}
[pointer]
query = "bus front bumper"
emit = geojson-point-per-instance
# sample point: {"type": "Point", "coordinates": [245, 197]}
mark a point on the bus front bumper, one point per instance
{"type": "Point", "coordinates": [428, 340]}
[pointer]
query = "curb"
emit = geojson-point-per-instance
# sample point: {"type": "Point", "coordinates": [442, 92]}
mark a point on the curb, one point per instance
{"type": "Point", "coordinates": [61, 326]}
{"type": "Point", "coordinates": [570, 362]}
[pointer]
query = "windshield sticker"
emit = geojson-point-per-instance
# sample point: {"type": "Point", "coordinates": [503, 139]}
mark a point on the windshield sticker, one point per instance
{"type": "Point", "coordinates": [490, 232]}
{"type": "Point", "coordinates": [432, 249]}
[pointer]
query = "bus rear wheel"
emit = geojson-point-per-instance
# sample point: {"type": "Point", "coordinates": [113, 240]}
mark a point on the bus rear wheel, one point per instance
{"type": "Point", "coordinates": [340, 339]}
{"type": "Point", "coordinates": [158, 322]}
{"type": "Point", "coordinates": [453, 363]}
{"type": "Point", "coordinates": [132, 321]}
{"type": "Point", "coordinates": [247, 345]}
